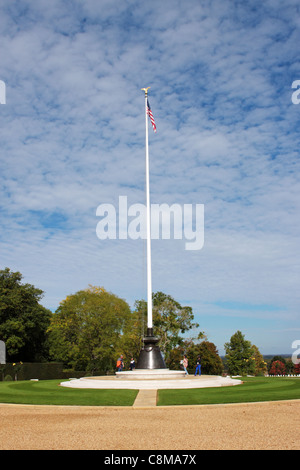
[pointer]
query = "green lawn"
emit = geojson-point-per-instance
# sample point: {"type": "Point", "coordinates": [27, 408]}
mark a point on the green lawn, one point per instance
{"type": "Point", "coordinates": [48, 392]}
{"type": "Point", "coordinates": [253, 389]}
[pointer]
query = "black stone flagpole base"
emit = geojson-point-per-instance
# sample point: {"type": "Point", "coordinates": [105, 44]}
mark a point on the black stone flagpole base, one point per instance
{"type": "Point", "coordinates": [150, 356]}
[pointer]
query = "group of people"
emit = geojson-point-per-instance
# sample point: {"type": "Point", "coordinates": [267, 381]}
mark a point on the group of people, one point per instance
{"type": "Point", "coordinates": [120, 364]}
{"type": "Point", "coordinates": [184, 363]}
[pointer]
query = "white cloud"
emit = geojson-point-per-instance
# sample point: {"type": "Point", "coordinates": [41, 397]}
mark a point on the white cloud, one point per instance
{"type": "Point", "coordinates": [72, 137]}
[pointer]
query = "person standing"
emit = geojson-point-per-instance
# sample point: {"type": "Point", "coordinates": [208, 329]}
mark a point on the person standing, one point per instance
{"type": "Point", "coordinates": [132, 364]}
{"type": "Point", "coordinates": [120, 364]}
{"type": "Point", "coordinates": [185, 363]}
{"type": "Point", "coordinates": [198, 366]}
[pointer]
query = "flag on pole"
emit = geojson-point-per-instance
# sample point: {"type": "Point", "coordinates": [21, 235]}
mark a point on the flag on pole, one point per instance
{"type": "Point", "coordinates": [149, 112]}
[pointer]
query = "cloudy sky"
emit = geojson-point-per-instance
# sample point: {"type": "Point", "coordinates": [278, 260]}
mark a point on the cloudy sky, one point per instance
{"type": "Point", "coordinates": [73, 137]}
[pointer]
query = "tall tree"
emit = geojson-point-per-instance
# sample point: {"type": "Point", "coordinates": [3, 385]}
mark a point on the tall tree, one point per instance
{"type": "Point", "coordinates": [170, 321]}
{"type": "Point", "coordinates": [210, 360]}
{"type": "Point", "coordinates": [239, 355]}
{"type": "Point", "coordinates": [23, 321]}
{"type": "Point", "coordinates": [86, 329]}
{"type": "Point", "coordinates": [133, 331]}
{"type": "Point", "coordinates": [260, 364]}
{"type": "Point", "coordinates": [211, 363]}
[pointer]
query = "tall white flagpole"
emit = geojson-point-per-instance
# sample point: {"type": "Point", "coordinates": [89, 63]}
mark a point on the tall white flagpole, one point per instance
{"type": "Point", "coordinates": [149, 274]}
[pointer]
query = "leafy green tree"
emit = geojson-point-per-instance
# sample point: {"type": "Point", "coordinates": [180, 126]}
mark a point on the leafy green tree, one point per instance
{"type": "Point", "coordinates": [23, 321]}
{"type": "Point", "coordinates": [289, 367]}
{"type": "Point", "coordinates": [211, 363]}
{"type": "Point", "coordinates": [131, 340]}
{"type": "Point", "coordinates": [175, 356]}
{"type": "Point", "coordinates": [86, 329]}
{"type": "Point", "coordinates": [239, 355]}
{"type": "Point", "coordinates": [170, 321]}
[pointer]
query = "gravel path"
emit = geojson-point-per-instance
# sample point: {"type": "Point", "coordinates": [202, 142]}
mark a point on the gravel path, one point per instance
{"type": "Point", "coordinates": [270, 425]}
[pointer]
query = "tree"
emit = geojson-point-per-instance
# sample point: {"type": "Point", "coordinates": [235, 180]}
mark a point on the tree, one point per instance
{"type": "Point", "coordinates": [170, 320]}
{"type": "Point", "coordinates": [239, 355]}
{"type": "Point", "coordinates": [86, 329]}
{"type": "Point", "coordinates": [290, 367]}
{"type": "Point", "coordinates": [296, 369]}
{"type": "Point", "coordinates": [210, 360]}
{"type": "Point", "coordinates": [278, 358]}
{"type": "Point", "coordinates": [211, 363]}
{"type": "Point", "coordinates": [23, 321]}
{"type": "Point", "coordinates": [277, 368]}
{"type": "Point", "coordinates": [279, 364]}
{"type": "Point", "coordinates": [134, 331]}
{"type": "Point", "coordinates": [260, 365]}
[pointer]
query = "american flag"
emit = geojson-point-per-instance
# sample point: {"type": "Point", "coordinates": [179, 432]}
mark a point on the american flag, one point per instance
{"type": "Point", "coordinates": [149, 112]}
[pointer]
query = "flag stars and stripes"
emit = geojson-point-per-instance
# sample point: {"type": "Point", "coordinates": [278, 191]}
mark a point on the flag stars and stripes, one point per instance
{"type": "Point", "coordinates": [149, 112]}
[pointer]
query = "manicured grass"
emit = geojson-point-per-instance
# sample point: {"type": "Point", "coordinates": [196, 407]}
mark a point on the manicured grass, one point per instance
{"type": "Point", "coordinates": [252, 390]}
{"type": "Point", "coordinates": [48, 392]}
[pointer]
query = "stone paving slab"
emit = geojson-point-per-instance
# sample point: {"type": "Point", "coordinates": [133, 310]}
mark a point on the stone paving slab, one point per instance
{"type": "Point", "coordinates": [143, 384]}
{"type": "Point", "coordinates": [146, 398]}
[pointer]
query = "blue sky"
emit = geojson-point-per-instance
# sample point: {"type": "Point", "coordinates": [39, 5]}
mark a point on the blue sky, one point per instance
{"type": "Point", "coordinates": [72, 137]}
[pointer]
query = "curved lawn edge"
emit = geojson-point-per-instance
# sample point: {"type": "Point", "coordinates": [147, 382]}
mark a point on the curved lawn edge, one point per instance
{"type": "Point", "coordinates": [252, 390]}
{"type": "Point", "coordinates": [48, 392]}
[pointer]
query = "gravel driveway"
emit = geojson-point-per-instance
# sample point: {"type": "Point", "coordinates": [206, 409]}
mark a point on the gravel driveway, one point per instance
{"type": "Point", "coordinates": [270, 425]}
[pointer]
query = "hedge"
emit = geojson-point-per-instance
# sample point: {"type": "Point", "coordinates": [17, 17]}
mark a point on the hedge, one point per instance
{"type": "Point", "coordinates": [33, 370]}
{"type": "Point", "coordinates": [43, 371]}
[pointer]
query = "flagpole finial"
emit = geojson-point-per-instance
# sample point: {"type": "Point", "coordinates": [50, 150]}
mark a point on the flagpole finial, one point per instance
{"type": "Point", "coordinates": [146, 90]}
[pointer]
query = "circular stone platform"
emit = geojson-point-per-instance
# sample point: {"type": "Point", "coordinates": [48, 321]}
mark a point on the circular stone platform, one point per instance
{"type": "Point", "coordinates": [152, 383]}
{"type": "Point", "coordinates": [150, 374]}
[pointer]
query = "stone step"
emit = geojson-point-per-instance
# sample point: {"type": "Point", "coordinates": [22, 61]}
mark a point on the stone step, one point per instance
{"type": "Point", "coordinates": [145, 398]}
